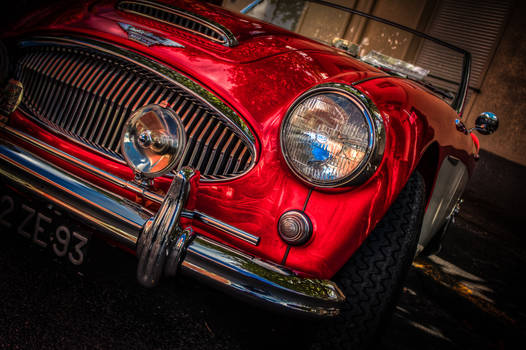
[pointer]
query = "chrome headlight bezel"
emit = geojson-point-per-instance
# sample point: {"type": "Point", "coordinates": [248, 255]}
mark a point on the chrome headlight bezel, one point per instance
{"type": "Point", "coordinates": [376, 134]}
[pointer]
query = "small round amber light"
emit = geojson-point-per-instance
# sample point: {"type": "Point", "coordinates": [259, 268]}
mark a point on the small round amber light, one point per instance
{"type": "Point", "coordinates": [295, 227]}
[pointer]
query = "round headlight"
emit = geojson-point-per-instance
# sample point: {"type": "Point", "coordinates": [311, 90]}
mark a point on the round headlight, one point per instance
{"type": "Point", "coordinates": [330, 138]}
{"type": "Point", "coordinates": [153, 140]}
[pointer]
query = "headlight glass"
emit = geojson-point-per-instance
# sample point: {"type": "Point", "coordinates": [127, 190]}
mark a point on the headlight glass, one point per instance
{"type": "Point", "coordinates": [327, 138]}
{"type": "Point", "coordinates": [153, 140]}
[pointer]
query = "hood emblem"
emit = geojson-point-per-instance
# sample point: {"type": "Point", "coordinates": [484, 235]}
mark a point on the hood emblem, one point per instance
{"type": "Point", "coordinates": [147, 38]}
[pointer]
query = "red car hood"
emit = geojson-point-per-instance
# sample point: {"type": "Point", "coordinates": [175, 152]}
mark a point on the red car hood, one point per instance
{"type": "Point", "coordinates": [259, 76]}
{"type": "Point", "coordinates": [255, 39]}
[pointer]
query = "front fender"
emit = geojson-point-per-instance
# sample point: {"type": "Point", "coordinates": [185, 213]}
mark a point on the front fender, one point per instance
{"type": "Point", "coordinates": [414, 119]}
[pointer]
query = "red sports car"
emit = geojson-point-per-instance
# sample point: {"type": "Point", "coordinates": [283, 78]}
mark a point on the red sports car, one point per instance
{"type": "Point", "coordinates": [296, 175]}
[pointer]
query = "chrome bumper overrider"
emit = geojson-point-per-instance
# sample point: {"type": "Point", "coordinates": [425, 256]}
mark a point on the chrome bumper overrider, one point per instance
{"type": "Point", "coordinates": [123, 221]}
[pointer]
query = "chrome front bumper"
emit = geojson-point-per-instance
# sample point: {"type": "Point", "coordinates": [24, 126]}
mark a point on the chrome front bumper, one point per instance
{"type": "Point", "coordinates": [122, 221]}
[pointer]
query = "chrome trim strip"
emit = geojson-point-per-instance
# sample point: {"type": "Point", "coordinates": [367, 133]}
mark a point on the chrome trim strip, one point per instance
{"type": "Point", "coordinates": [213, 102]}
{"type": "Point", "coordinates": [228, 38]}
{"type": "Point", "coordinates": [115, 180]}
{"type": "Point", "coordinates": [211, 262]}
{"type": "Point", "coordinates": [112, 214]}
{"type": "Point", "coordinates": [208, 220]}
{"type": "Point", "coordinates": [250, 278]}
{"type": "Point", "coordinates": [221, 226]}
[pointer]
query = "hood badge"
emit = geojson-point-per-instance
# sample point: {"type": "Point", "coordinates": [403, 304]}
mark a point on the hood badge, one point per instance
{"type": "Point", "coordinates": [147, 38]}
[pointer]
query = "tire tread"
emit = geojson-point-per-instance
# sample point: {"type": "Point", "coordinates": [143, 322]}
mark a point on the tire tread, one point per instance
{"type": "Point", "coordinates": [372, 278]}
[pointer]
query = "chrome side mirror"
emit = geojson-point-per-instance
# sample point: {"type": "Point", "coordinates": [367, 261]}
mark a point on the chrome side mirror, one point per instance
{"type": "Point", "coordinates": [487, 123]}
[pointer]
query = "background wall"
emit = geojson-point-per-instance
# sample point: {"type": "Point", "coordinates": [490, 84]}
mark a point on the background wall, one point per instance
{"type": "Point", "coordinates": [501, 172]}
{"type": "Point", "coordinates": [503, 91]}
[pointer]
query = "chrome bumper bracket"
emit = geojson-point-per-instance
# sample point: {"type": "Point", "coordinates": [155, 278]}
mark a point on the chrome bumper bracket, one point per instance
{"type": "Point", "coordinates": [123, 221]}
{"type": "Point", "coordinates": [162, 241]}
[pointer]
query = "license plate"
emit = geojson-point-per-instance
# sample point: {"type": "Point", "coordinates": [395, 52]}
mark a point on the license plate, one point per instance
{"type": "Point", "coordinates": [45, 227]}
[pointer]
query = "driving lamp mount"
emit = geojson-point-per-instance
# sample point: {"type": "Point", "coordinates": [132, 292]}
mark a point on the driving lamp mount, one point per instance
{"type": "Point", "coordinates": [153, 144]}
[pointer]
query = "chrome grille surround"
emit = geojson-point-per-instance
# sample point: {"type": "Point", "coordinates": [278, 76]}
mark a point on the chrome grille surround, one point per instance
{"type": "Point", "coordinates": [77, 73]}
{"type": "Point", "coordinates": [181, 19]}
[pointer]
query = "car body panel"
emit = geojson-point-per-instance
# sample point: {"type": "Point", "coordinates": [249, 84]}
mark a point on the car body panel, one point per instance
{"type": "Point", "coordinates": [259, 79]}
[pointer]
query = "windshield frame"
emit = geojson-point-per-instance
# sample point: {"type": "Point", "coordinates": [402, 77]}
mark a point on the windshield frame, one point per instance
{"type": "Point", "coordinates": [460, 98]}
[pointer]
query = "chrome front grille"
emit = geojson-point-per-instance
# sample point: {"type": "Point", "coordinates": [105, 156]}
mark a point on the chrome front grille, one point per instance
{"type": "Point", "coordinates": [88, 95]}
{"type": "Point", "coordinates": [180, 19]}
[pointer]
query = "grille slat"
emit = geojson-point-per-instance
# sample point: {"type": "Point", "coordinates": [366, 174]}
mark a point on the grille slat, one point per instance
{"type": "Point", "coordinates": [158, 96]}
{"type": "Point", "coordinates": [222, 158]}
{"type": "Point", "coordinates": [221, 138]}
{"type": "Point", "coordinates": [111, 138]}
{"type": "Point", "coordinates": [199, 143]}
{"type": "Point", "coordinates": [232, 154]}
{"type": "Point", "coordinates": [63, 90]}
{"type": "Point", "coordinates": [106, 109]}
{"type": "Point", "coordinates": [107, 126]}
{"type": "Point", "coordinates": [84, 91]}
{"type": "Point", "coordinates": [142, 97]}
{"type": "Point", "coordinates": [53, 77]}
{"type": "Point", "coordinates": [32, 76]}
{"type": "Point", "coordinates": [193, 121]}
{"type": "Point", "coordinates": [73, 77]}
{"type": "Point", "coordinates": [88, 96]}
{"type": "Point", "coordinates": [205, 153]}
{"type": "Point", "coordinates": [26, 74]}
{"type": "Point", "coordinates": [93, 111]}
{"type": "Point", "coordinates": [44, 84]}
{"type": "Point", "coordinates": [240, 158]}
{"type": "Point", "coordinates": [126, 110]}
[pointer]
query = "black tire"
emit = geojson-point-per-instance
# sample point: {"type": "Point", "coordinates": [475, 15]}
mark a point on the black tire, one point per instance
{"type": "Point", "coordinates": [372, 279]}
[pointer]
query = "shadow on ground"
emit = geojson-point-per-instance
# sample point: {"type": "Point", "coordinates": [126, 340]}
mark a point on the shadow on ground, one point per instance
{"type": "Point", "coordinates": [470, 295]}
{"type": "Point", "coordinates": [467, 296]}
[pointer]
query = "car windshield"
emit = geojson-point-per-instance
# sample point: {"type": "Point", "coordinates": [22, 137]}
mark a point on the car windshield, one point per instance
{"type": "Point", "coordinates": [394, 48]}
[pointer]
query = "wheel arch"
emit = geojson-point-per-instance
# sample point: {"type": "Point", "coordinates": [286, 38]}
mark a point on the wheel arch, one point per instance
{"type": "Point", "coordinates": [428, 167]}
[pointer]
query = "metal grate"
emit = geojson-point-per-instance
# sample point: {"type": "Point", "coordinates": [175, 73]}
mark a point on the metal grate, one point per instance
{"type": "Point", "coordinates": [475, 26]}
{"type": "Point", "coordinates": [179, 18]}
{"type": "Point", "coordinates": [88, 95]}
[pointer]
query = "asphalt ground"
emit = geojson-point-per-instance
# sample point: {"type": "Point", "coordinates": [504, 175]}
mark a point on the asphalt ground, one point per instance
{"type": "Point", "coordinates": [468, 296]}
